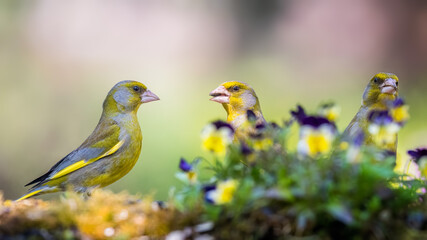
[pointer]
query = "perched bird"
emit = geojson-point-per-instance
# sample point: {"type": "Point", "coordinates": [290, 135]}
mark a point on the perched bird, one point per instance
{"type": "Point", "coordinates": [381, 90]}
{"type": "Point", "coordinates": [240, 102]}
{"type": "Point", "coordinates": [108, 153]}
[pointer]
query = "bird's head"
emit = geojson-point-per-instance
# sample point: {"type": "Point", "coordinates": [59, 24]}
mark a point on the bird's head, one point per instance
{"type": "Point", "coordinates": [383, 86]}
{"type": "Point", "coordinates": [127, 96]}
{"type": "Point", "coordinates": [236, 97]}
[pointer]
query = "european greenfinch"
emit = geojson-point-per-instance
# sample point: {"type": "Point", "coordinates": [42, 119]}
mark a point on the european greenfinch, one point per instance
{"type": "Point", "coordinates": [108, 153]}
{"type": "Point", "coordinates": [382, 89]}
{"type": "Point", "coordinates": [240, 102]}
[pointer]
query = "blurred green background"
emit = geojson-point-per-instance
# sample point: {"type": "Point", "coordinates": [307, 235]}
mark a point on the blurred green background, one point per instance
{"type": "Point", "coordinates": [58, 60]}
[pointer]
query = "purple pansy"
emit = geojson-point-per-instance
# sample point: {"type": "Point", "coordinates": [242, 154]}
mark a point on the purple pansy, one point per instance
{"type": "Point", "coordinates": [418, 153]}
{"type": "Point", "coordinates": [315, 121]}
{"type": "Point", "coordinates": [260, 126]}
{"type": "Point", "coordinates": [245, 149]}
{"type": "Point", "coordinates": [299, 114]}
{"type": "Point", "coordinates": [184, 165]}
{"type": "Point", "coordinates": [220, 124]}
{"type": "Point", "coordinates": [206, 190]}
{"type": "Point", "coordinates": [312, 121]}
{"type": "Point", "coordinates": [380, 117]}
{"type": "Point", "coordinates": [398, 102]}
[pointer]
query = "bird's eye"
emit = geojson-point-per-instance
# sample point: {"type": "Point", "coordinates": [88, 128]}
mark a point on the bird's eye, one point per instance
{"type": "Point", "coordinates": [136, 88]}
{"type": "Point", "coordinates": [375, 80]}
{"type": "Point", "coordinates": [236, 88]}
{"type": "Point", "coordinates": [397, 84]}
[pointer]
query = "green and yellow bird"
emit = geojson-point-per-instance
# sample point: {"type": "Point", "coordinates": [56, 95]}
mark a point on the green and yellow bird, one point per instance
{"type": "Point", "coordinates": [381, 90]}
{"type": "Point", "coordinates": [237, 98]}
{"type": "Point", "coordinates": [108, 153]}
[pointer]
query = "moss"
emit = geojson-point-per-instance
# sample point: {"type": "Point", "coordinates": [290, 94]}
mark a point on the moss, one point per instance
{"type": "Point", "coordinates": [103, 215]}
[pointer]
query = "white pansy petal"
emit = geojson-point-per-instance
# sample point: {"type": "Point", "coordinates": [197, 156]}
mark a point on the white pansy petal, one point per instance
{"type": "Point", "coordinates": [373, 129]}
{"type": "Point", "coordinates": [207, 130]}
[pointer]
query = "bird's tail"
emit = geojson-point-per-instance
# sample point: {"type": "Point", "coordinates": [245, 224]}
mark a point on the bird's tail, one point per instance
{"type": "Point", "coordinates": [37, 191]}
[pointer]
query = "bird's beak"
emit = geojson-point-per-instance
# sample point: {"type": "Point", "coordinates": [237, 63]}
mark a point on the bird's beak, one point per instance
{"type": "Point", "coordinates": [148, 96]}
{"type": "Point", "coordinates": [389, 86]}
{"type": "Point", "coordinates": [220, 95]}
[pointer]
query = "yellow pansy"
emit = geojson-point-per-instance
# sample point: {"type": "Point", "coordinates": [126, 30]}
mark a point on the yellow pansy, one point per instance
{"type": "Point", "coordinates": [223, 193]}
{"type": "Point", "coordinates": [216, 139]}
{"type": "Point", "coordinates": [315, 141]}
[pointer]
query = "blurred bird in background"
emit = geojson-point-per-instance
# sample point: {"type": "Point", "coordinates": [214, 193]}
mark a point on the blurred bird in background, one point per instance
{"type": "Point", "coordinates": [381, 92]}
{"type": "Point", "coordinates": [108, 153]}
{"type": "Point", "coordinates": [241, 103]}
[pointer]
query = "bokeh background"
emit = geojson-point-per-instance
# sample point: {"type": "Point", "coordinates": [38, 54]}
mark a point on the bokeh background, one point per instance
{"type": "Point", "coordinates": [58, 59]}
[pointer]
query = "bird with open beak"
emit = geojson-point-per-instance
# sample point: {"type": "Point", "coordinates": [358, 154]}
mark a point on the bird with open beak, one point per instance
{"type": "Point", "coordinates": [381, 90]}
{"type": "Point", "coordinates": [238, 98]}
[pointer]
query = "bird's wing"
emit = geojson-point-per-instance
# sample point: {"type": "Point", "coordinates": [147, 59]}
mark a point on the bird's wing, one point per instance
{"type": "Point", "coordinates": [352, 129]}
{"type": "Point", "coordinates": [355, 127]}
{"type": "Point", "coordinates": [103, 142]}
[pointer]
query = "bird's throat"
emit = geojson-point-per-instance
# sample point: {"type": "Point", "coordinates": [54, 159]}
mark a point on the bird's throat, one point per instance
{"type": "Point", "coordinates": [380, 100]}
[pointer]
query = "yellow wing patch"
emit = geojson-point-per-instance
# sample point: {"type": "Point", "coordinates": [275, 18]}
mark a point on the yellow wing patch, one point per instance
{"type": "Point", "coordinates": [28, 195]}
{"type": "Point", "coordinates": [82, 163]}
{"type": "Point", "coordinates": [71, 168]}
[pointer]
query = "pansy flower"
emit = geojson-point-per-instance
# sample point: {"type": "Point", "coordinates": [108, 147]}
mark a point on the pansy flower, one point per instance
{"type": "Point", "coordinates": [399, 111]}
{"type": "Point", "coordinates": [382, 128]}
{"type": "Point", "coordinates": [222, 193]}
{"type": "Point", "coordinates": [247, 153]}
{"type": "Point", "coordinates": [299, 114]}
{"type": "Point", "coordinates": [316, 134]}
{"type": "Point", "coordinates": [187, 168]}
{"type": "Point", "coordinates": [256, 131]}
{"type": "Point", "coordinates": [216, 137]}
{"type": "Point", "coordinates": [419, 156]}
{"type": "Point", "coordinates": [245, 149]}
{"type": "Point", "coordinates": [259, 140]}
{"type": "Point", "coordinates": [408, 167]}
{"type": "Point", "coordinates": [330, 111]}
{"type": "Point", "coordinates": [316, 140]}
{"type": "Point", "coordinates": [207, 190]}
{"type": "Point", "coordinates": [262, 144]}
